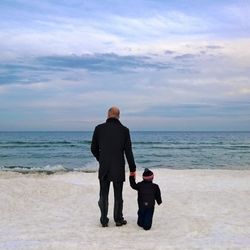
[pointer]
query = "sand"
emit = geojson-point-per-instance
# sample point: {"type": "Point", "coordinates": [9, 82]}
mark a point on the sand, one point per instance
{"type": "Point", "coordinates": [202, 209]}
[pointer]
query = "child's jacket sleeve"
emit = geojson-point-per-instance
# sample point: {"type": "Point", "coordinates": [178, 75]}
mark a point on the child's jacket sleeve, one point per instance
{"type": "Point", "coordinates": [158, 195]}
{"type": "Point", "coordinates": [133, 183]}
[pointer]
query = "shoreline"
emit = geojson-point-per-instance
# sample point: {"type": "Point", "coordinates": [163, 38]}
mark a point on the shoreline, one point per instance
{"type": "Point", "coordinates": [45, 171]}
{"type": "Point", "coordinates": [202, 209]}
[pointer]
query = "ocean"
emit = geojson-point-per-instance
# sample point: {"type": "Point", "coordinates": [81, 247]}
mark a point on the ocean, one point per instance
{"type": "Point", "coordinates": [70, 151]}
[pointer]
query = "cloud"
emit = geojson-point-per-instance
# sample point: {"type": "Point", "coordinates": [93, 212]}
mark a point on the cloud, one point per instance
{"type": "Point", "coordinates": [214, 47]}
{"type": "Point", "coordinates": [245, 90]}
{"type": "Point", "coordinates": [169, 52]}
{"type": "Point", "coordinates": [161, 62]}
{"type": "Point", "coordinates": [185, 57]}
{"type": "Point", "coordinates": [110, 62]}
{"type": "Point", "coordinates": [35, 70]}
{"type": "Point", "coordinates": [22, 73]}
{"type": "Point", "coordinates": [221, 109]}
{"type": "Point", "coordinates": [53, 29]}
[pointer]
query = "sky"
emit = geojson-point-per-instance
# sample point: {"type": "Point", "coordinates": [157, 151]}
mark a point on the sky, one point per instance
{"type": "Point", "coordinates": [168, 65]}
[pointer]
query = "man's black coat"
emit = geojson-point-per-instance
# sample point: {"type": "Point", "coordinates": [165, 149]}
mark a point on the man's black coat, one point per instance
{"type": "Point", "coordinates": [109, 143]}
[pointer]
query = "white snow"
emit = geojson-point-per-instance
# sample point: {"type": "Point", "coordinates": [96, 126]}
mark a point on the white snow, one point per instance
{"type": "Point", "coordinates": [202, 209]}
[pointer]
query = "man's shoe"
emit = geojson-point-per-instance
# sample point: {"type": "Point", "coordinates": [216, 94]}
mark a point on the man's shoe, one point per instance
{"type": "Point", "coordinates": [105, 222]}
{"type": "Point", "coordinates": [121, 223]}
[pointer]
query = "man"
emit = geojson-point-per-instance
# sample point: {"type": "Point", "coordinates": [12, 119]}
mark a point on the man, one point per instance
{"type": "Point", "coordinates": [111, 140]}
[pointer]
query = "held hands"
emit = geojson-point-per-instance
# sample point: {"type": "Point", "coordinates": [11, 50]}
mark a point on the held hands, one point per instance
{"type": "Point", "coordinates": [132, 174]}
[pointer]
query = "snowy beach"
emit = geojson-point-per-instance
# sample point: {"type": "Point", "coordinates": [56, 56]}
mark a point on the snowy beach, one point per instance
{"type": "Point", "coordinates": [202, 209]}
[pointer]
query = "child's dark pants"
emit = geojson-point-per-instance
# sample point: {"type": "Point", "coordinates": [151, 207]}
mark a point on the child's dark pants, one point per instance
{"type": "Point", "coordinates": [145, 217]}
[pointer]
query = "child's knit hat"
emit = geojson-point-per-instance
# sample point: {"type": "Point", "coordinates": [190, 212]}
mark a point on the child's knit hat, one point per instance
{"type": "Point", "coordinates": [147, 175]}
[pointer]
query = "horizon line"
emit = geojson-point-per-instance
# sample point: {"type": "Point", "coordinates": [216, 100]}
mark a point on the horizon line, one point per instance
{"type": "Point", "coordinates": [77, 131]}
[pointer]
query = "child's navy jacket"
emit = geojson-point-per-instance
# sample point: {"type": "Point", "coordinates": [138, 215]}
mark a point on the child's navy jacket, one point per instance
{"type": "Point", "coordinates": [148, 192]}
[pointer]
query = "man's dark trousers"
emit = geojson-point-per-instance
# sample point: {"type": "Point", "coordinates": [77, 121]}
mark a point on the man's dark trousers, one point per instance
{"type": "Point", "coordinates": [103, 200]}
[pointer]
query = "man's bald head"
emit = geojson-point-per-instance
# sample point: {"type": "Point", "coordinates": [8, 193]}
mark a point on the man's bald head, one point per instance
{"type": "Point", "coordinates": [114, 112]}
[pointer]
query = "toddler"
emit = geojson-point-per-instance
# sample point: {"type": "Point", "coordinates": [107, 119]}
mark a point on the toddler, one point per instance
{"type": "Point", "coordinates": [148, 193]}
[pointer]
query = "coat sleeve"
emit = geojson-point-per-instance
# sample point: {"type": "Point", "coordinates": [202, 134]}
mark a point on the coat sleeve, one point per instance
{"type": "Point", "coordinates": [129, 153]}
{"type": "Point", "coordinates": [132, 182]}
{"type": "Point", "coordinates": [158, 195]}
{"type": "Point", "coordinates": [95, 145]}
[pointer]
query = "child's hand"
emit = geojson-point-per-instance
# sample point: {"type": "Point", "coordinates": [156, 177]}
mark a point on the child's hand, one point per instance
{"type": "Point", "coordinates": [132, 174]}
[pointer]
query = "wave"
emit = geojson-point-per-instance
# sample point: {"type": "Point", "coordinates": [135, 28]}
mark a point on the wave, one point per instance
{"type": "Point", "coordinates": [89, 168]}
{"type": "Point", "coordinates": [205, 146]}
{"type": "Point", "coordinates": [39, 146]}
{"type": "Point", "coordinates": [44, 142]}
{"type": "Point", "coordinates": [36, 142]}
{"type": "Point", "coordinates": [86, 142]}
{"type": "Point", "coordinates": [147, 142]}
{"type": "Point", "coordinates": [157, 155]}
{"type": "Point", "coordinates": [53, 144]}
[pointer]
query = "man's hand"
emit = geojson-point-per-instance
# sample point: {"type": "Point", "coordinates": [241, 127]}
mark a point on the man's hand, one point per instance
{"type": "Point", "coordinates": [132, 174]}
